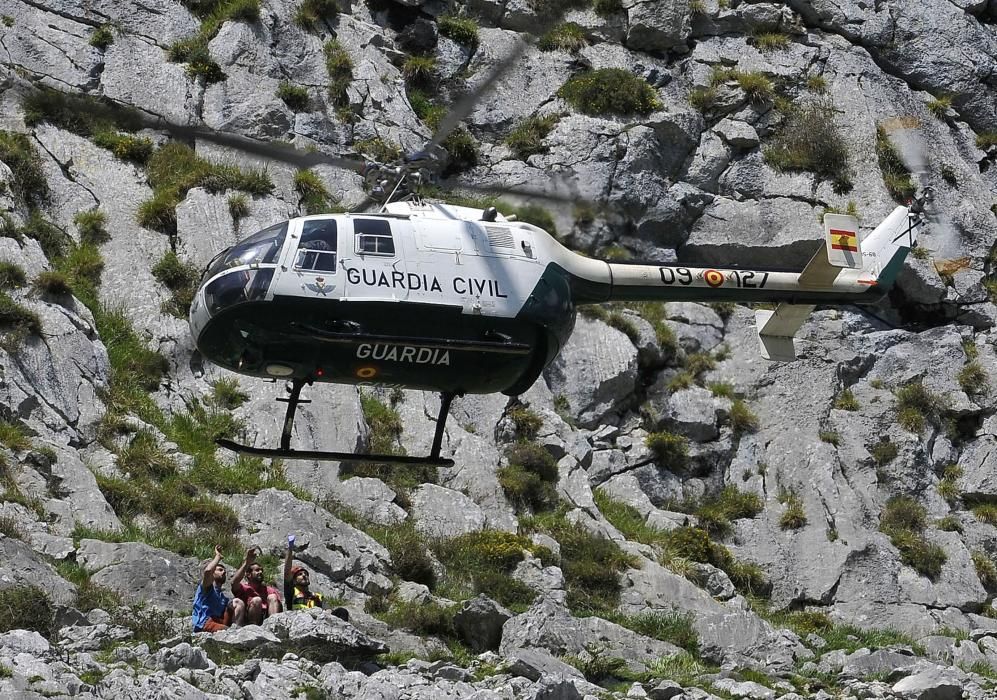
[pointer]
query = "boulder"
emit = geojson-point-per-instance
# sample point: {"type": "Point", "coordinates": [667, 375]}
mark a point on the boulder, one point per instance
{"type": "Point", "coordinates": [479, 623]}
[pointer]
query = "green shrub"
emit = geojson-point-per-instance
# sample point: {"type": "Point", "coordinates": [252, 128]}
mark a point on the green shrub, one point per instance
{"type": "Point", "coordinates": [817, 84]}
{"type": "Point", "coordinates": [480, 562]}
{"type": "Point", "coordinates": [742, 419]}
{"type": "Point", "coordinates": [526, 422]}
{"type": "Point", "coordinates": [16, 322]}
{"type": "Point", "coordinates": [52, 283]}
{"type": "Point", "coordinates": [181, 279]}
{"type": "Point", "coordinates": [973, 379]}
{"type": "Point", "coordinates": [609, 91]}
{"type": "Point", "coordinates": [463, 30]}
{"type": "Point", "coordinates": [102, 37]}
{"type": "Point", "coordinates": [419, 70]}
{"type": "Point", "coordinates": [716, 512]}
{"type": "Point", "coordinates": [310, 12]}
{"type": "Point", "coordinates": [986, 140]}
{"type": "Point", "coordinates": [568, 36]}
{"type": "Point", "coordinates": [829, 436]}
{"type": "Point", "coordinates": [986, 513]}
{"type": "Point", "coordinates": [339, 67]}
{"type": "Point", "coordinates": [422, 618]}
{"type": "Point", "coordinates": [462, 150]}
{"type": "Point", "coordinates": [673, 626]}
{"type": "Point", "coordinates": [19, 154]}
{"type": "Point", "coordinates": [12, 436]}
{"type": "Point", "coordinates": [527, 138]}
{"type": "Point", "coordinates": [939, 106]}
{"type": "Point", "coordinates": [846, 401]}
{"type": "Point", "coordinates": [225, 393]}
{"type": "Point", "coordinates": [916, 405]}
{"type": "Point", "coordinates": [92, 226]}
{"type": "Point", "coordinates": [238, 206]}
{"type": "Point", "coordinates": [757, 87]}
{"type": "Point", "coordinates": [26, 608]}
{"type": "Point", "coordinates": [315, 198]}
{"type": "Point", "coordinates": [294, 96]}
{"type": "Point", "coordinates": [883, 452]}
{"type": "Point", "coordinates": [159, 213]}
{"type": "Point", "coordinates": [795, 515]}
{"type": "Point", "coordinates": [904, 520]}
{"type": "Point", "coordinates": [379, 149]}
{"type": "Point", "coordinates": [11, 275]}
{"type": "Point", "coordinates": [703, 99]}
{"type": "Point", "coordinates": [808, 140]}
{"type": "Point", "coordinates": [950, 523]}
{"type": "Point", "coordinates": [771, 41]}
{"type": "Point", "coordinates": [670, 450]}
{"type": "Point", "coordinates": [896, 177]}
{"type": "Point", "coordinates": [904, 513]}
{"type": "Point", "coordinates": [194, 52]}
{"type": "Point", "coordinates": [528, 480]}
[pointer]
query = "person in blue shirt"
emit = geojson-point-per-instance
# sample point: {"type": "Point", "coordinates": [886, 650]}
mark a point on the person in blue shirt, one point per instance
{"type": "Point", "coordinates": [213, 610]}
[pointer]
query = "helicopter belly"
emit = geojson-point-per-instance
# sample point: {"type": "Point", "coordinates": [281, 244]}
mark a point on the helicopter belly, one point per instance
{"type": "Point", "coordinates": [430, 347]}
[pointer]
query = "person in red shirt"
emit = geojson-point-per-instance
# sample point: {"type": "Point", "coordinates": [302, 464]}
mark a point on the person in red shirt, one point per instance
{"type": "Point", "coordinates": [261, 600]}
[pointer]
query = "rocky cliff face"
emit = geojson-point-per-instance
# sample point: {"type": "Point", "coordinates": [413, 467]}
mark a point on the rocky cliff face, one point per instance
{"type": "Point", "coordinates": [663, 514]}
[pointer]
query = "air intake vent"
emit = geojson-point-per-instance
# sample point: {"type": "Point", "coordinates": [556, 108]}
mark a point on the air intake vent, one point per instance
{"type": "Point", "coordinates": [499, 237]}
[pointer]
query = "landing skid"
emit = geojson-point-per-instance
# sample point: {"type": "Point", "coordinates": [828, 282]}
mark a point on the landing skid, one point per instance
{"type": "Point", "coordinates": [286, 452]}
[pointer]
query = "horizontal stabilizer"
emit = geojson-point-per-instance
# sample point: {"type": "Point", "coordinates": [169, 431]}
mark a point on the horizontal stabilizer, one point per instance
{"type": "Point", "coordinates": [777, 328]}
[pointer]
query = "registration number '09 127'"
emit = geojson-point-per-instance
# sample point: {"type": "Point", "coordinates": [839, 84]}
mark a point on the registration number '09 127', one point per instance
{"type": "Point", "coordinates": [748, 279]}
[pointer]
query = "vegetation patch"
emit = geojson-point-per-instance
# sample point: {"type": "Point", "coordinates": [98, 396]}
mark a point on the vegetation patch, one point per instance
{"type": "Point", "coordinates": [379, 149]}
{"type": "Point", "coordinates": [238, 207]}
{"type": "Point", "coordinates": [742, 418]}
{"type": "Point", "coordinates": [193, 50]}
{"type": "Point", "coordinates": [846, 401]}
{"type": "Point", "coordinates": [973, 379]}
{"type": "Point", "coordinates": [463, 30]}
{"type": "Point", "coordinates": [11, 275]}
{"type": "Point", "coordinates": [92, 226]}
{"type": "Point", "coordinates": [771, 41]}
{"type": "Point", "coordinates": [940, 106]}
{"type": "Point", "coordinates": [904, 520]}
{"type": "Point", "coordinates": [482, 562]}
{"type": "Point", "coordinates": [568, 36]}
{"type": "Point", "coordinates": [19, 154]}
{"type": "Point", "coordinates": [315, 198]}
{"type": "Point", "coordinates": [175, 169]}
{"type": "Point", "coordinates": [181, 279]}
{"type": "Point", "coordinates": [527, 138]}
{"type": "Point", "coordinates": [916, 405]}
{"type": "Point", "coordinates": [610, 91]}
{"type": "Point", "coordinates": [671, 451]}
{"type": "Point", "coordinates": [526, 422]}
{"type": "Point", "coordinates": [948, 485]}
{"type": "Point", "coordinates": [883, 452]}
{"type": "Point", "coordinates": [716, 512]}
{"type": "Point", "coordinates": [896, 177]}
{"type": "Point", "coordinates": [16, 323]}
{"type": "Point", "coordinates": [795, 515]}
{"type": "Point", "coordinates": [339, 68]}
{"type": "Point", "coordinates": [26, 608]}
{"type": "Point", "coordinates": [809, 140]}
{"type": "Point", "coordinates": [102, 37]}
{"type": "Point", "coordinates": [51, 283]}
{"type": "Point", "coordinates": [310, 12]}
{"type": "Point", "coordinates": [591, 564]}
{"type": "Point", "coordinates": [294, 96]}
{"type": "Point", "coordinates": [529, 477]}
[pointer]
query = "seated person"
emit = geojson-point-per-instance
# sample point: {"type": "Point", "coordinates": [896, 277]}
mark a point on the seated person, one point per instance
{"type": "Point", "coordinates": [213, 611]}
{"type": "Point", "coordinates": [261, 600]}
{"type": "Point", "coordinates": [296, 591]}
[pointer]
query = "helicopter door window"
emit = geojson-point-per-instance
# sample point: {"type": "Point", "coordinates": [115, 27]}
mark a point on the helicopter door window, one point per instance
{"type": "Point", "coordinates": [373, 237]}
{"type": "Point", "coordinates": [317, 250]}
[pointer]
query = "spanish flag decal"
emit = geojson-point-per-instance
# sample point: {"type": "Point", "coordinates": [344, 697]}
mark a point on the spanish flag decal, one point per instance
{"type": "Point", "coordinates": [844, 240]}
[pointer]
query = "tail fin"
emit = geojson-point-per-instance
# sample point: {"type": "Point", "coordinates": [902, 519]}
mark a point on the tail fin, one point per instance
{"type": "Point", "coordinates": [879, 257]}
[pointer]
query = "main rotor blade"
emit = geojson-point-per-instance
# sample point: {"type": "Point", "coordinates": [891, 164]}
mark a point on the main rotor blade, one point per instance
{"type": "Point", "coordinates": [265, 149]}
{"type": "Point", "coordinates": [269, 150]}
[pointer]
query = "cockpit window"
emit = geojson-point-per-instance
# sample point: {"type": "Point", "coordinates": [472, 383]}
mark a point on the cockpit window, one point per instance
{"type": "Point", "coordinates": [261, 248]}
{"type": "Point", "coordinates": [373, 237]}
{"type": "Point", "coordinates": [317, 250]}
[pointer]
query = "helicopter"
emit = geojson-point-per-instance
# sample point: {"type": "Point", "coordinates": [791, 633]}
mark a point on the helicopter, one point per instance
{"type": "Point", "coordinates": [432, 296]}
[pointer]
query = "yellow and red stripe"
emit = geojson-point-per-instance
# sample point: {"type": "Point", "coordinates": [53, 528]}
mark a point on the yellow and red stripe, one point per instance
{"type": "Point", "coordinates": [844, 240]}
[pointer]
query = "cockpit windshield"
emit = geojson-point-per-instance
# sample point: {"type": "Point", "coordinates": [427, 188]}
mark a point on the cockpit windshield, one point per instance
{"type": "Point", "coordinates": [260, 248]}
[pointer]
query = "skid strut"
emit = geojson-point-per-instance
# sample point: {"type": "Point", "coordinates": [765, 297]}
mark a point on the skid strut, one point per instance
{"type": "Point", "coordinates": [285, 451]}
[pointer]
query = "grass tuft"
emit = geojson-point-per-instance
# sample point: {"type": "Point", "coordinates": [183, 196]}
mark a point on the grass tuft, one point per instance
{"type": "Point", "coordinates": [527, 138]}
{"type": "Point", "coordinates": [610, 91]}
{"type": "Point", "coordinates": [810, 141]}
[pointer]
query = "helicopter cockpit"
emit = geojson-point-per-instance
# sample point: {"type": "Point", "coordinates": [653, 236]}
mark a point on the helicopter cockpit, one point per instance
{"type": "Point", "coordinates": [251, 266]}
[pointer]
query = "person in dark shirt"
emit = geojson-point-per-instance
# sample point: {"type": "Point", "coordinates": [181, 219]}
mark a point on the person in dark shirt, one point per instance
{"type": "Point", "coordinates": [297, 593]}
{"type": "Point", "coordinates": [213, 611]}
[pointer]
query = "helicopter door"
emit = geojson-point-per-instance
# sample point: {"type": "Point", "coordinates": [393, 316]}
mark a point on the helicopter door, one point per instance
{"type": "Point", "coordinates": [314, 262]}
{"type": "Point", "coordinates": [376, 269]}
